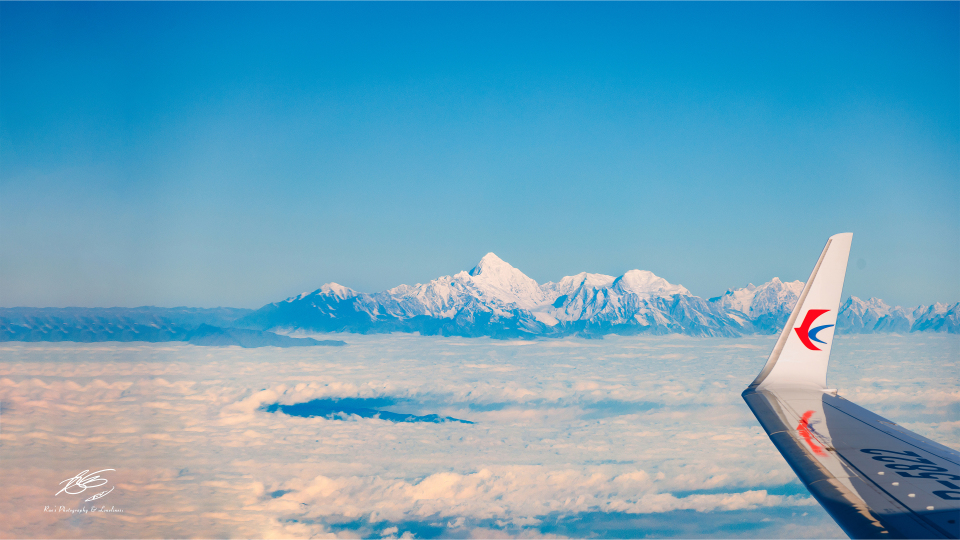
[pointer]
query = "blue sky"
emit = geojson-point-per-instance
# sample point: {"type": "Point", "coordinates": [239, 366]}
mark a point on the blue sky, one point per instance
{"type": "Point", "coordinates": [234, 154]}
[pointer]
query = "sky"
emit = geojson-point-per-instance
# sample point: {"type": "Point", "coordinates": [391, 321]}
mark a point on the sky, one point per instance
{"type": "Point", "coordinates": [625, 437]}
{"type": "Point", "coordinates": [235, 154]}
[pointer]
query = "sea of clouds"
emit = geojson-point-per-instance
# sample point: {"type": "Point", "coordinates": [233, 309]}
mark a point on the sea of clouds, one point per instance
{"type": "Point", "coordinates": [620, 437]}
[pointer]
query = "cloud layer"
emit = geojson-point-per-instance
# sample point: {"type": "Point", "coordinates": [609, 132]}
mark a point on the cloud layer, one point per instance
{"type": "Point", "coordinates": [571, 437]}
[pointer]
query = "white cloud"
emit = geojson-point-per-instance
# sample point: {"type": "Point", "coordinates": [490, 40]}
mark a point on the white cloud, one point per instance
{"type": "Point", "coordinates": [619, 427]}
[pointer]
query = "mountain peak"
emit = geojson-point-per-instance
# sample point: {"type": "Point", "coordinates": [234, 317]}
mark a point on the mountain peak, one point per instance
{"type": "Point", "coordinates": [498, 279]}
{"type": "Point", "coordinates": [858, 306]}
{"type": "Point", "coordinates": [773, 296]}
{"type": "Point", "coordinates": [490, 263]}
{"type": "Point", "coordinates": [337, 290]}
{"type": "Point", "coordinates": [646, 283]}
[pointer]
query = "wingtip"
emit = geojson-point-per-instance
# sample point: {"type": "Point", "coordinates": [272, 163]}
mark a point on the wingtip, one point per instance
{"type": "Point", "coordinates": [798, 361]}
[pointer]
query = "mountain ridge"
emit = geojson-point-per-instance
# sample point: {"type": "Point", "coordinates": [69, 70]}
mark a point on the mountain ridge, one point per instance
{"type": "Point", "coordinates": [498, 300]}
{"type": "Point", "coordinates": [493, 299]}
{"type": "Point", "coordinates": [197, 326]}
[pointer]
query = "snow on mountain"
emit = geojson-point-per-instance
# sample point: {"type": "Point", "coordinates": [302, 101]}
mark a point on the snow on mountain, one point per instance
{"type": "Point", "coordinates": [570, 298]}
{"type": "Point", "coordinates": [338, 291]}
{"type": "Point", "coordinates": [873, 306]}
{"type": "Point", "coordinates": [492, 284]}
{"type": "Point", "coordinates": [875, 316]}
{"type": "Point", "coordinates": [898, 320]}
{"type": "Point", "coordinates": [571, 284]}
{"type": "Point", "coordinates": [866, 317]}
{"type": "Point", "coordinates": [496, 279]}
{"type": "Point", "coordinates": [638, 301]}
{"type": "Point", "coordinates": [774, 296]}
{"type": "Point", "coordinates": [768, 306]}
{"type": "Point", "coordinates": [495, 299]}
{"type": "Point", "coordinates": [441, 297]}
{"type": "Point", "coordinates": [937, 318]}
{"type": "Point", "coordinates": [577, 287]}
{"type": "Point", "coordinates": [645, 283]}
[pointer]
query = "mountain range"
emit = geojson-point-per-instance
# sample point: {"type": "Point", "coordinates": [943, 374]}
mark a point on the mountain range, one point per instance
{"type": "Point", "coordinates": [197, 326]}
{"type": "Point", "coordinates": [495, 299]}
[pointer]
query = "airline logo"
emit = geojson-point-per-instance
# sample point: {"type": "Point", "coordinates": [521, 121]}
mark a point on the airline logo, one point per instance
{"type": "Point", "coordinates": [809, 335]}
{"type": "Point", "coordinates": [804, 428]}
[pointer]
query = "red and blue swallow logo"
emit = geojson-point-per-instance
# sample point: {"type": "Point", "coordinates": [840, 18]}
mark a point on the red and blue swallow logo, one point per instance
{"type": "Point", "coordinates": [809, 335]}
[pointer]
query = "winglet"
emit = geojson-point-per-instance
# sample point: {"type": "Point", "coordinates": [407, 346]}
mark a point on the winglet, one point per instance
{"type": "Point", "coordinates": [801, 354]}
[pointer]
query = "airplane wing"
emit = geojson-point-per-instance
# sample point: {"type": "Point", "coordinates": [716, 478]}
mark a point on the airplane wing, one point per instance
{"type": "Point", "coordinates": [874, 477]}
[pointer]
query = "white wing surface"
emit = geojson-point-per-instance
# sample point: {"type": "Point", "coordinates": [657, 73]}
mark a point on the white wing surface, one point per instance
{"type": "Point", "coordinates": [875, 478]}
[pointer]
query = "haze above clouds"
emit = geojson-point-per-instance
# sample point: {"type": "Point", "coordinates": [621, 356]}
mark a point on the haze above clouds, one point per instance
{"type": "Point", "coordinates": [620, 437]}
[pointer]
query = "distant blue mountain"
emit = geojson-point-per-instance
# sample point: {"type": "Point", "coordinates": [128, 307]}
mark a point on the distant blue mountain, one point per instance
{"type": "Point", "coordinates": [219, 337]}
{"type": "Point", "coordinates": [768, 307]}
{"type": "Point", "coordinates": [194, 325]}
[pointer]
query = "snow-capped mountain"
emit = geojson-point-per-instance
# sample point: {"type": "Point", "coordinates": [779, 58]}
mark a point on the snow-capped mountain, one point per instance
{"type": "Point", "coordinates": [496, 279]}
{"type": "Point", "coordinates": [866, 317]}
{"type": "Point", "coordinates": [767, 307]}
{"type": "Point", "coordinates": [586, 296]}
{"type": "Point", "coordinates": [937, 318]}
{"type": "Point", "coordinates": [495, 299]}
{"type": "Point", "coordinates": [638, 301]}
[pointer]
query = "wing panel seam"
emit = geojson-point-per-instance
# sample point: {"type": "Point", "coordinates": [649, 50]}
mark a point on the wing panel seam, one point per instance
{"type": "Point", "coordinates": [866, 477]}
{"type": "Point", "coordinates": [890, 434]}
